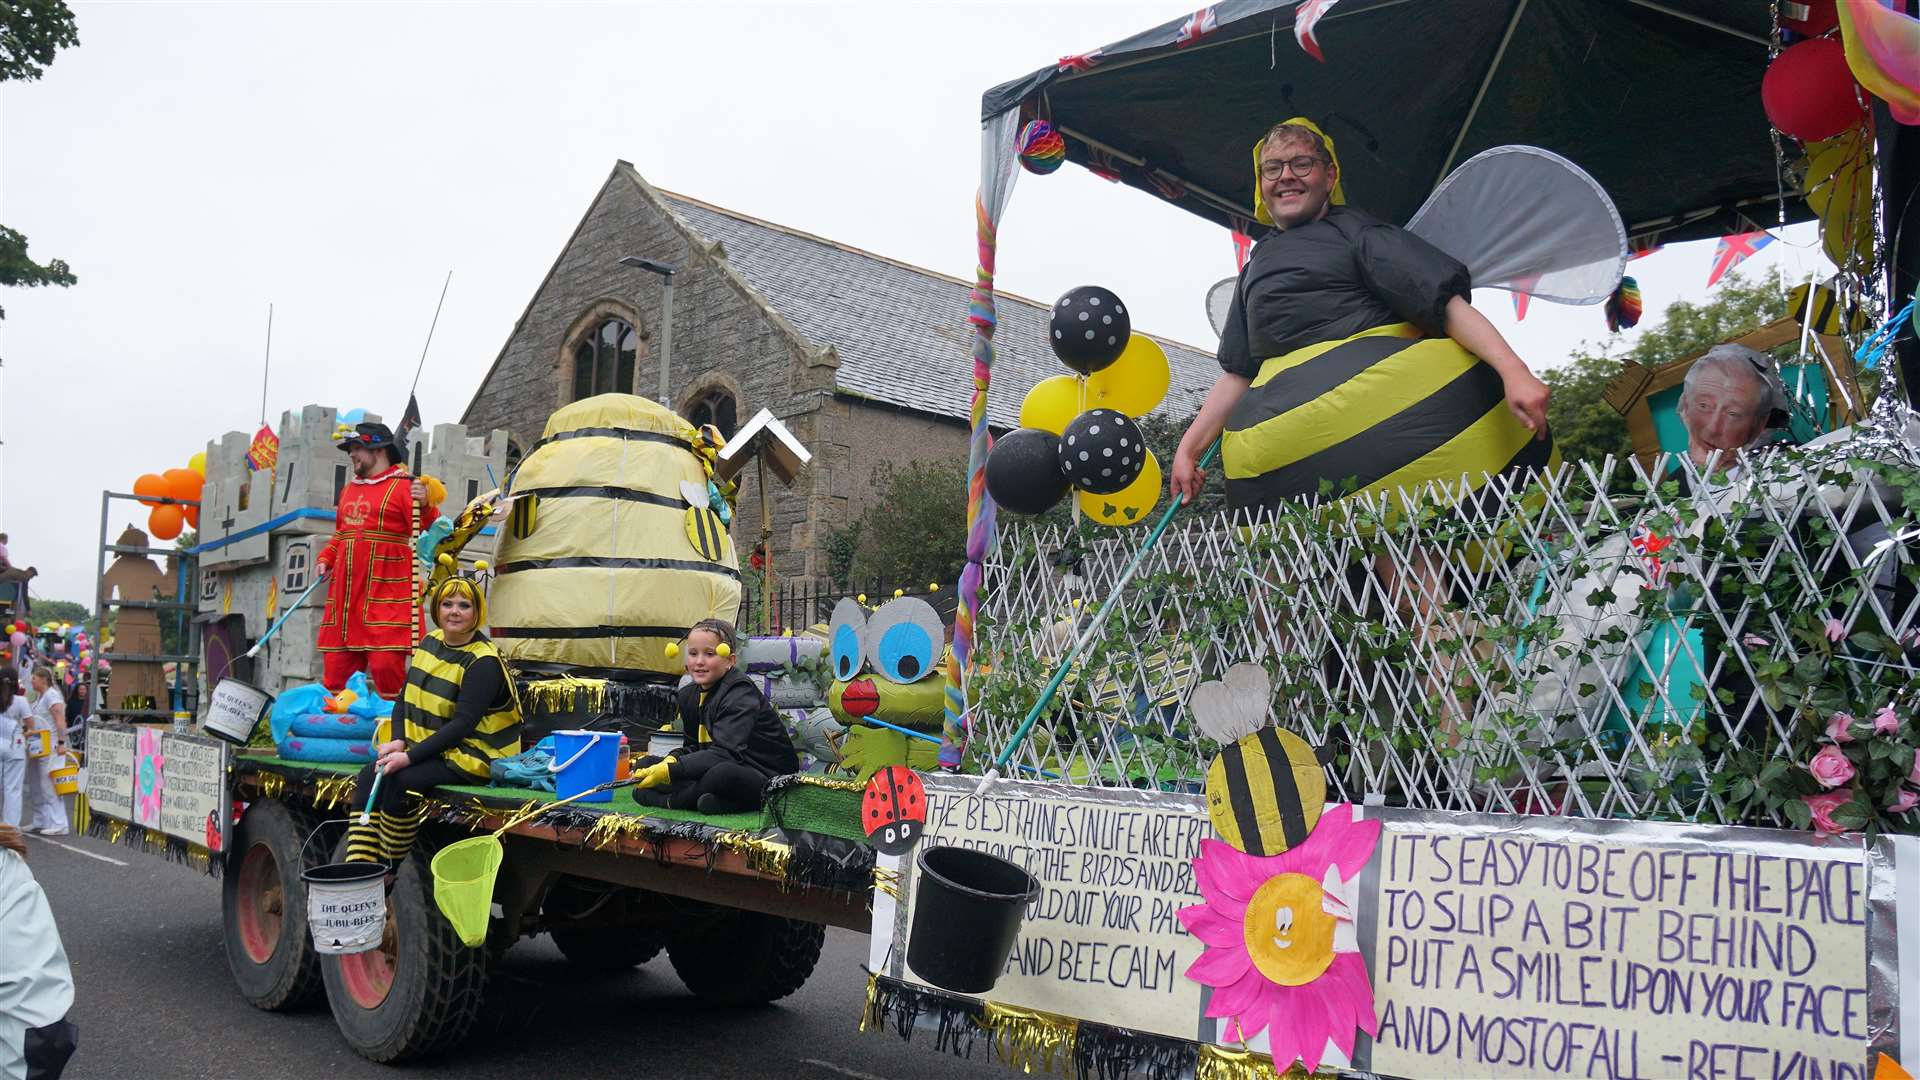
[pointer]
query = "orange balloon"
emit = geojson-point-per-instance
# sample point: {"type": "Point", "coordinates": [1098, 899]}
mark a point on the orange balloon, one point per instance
{"type": "Point", "coordinates": [193, 516]}
{"type": "Point", "coordinates": [165, 522]}
{"type": "Point", "coordinates": [152, 486]}
{"type": "Point", "coordinates": [182, 483]}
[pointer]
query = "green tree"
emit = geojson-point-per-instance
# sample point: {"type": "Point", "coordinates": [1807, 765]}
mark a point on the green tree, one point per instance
{"type": "Point", "coordinates": [31, 32]}
{"type": "Point", "coordinates": [61, 611]}
{"type": "Point", "coordinates": [1585, 426]}
{"type": "Point", "coordinates": [916, 530]}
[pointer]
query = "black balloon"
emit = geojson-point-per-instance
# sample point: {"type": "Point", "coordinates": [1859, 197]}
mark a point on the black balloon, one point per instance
{"type": "Point", "coordinates": [1023, 472]}
{"type": "Point", "coordinates": [1089, 329]}
{"type": "Point", "coordinates": [1102, 451]}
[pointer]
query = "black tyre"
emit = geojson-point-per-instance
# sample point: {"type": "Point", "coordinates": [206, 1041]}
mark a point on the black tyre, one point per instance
{"type": "Point", "coordinates": [421, 990]}
{"type": "Point", "coordinates": [263, 906]}
{"type": "Point", "coordinates": [607, 948]}
{"type": "Point", "coordinates": [746, 958]}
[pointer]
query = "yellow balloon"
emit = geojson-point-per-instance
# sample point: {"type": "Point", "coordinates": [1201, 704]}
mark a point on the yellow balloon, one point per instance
{"type": "Point", "coordinates": [1052, 404]}
{"type": "Point", "coordinates": [1134, 384]}
{"type": "Point", "coordinates": [1131, 504]}
{"type": "Point", "coordinates": [198, 463]}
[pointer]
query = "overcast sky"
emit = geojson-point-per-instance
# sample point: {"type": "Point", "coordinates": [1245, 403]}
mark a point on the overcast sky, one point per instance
{"type": "Point", "coordinates": [196, 162]}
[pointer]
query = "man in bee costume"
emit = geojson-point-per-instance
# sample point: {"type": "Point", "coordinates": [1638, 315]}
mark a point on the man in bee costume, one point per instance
{"type": "Point", "coordinates": [458, 715]}
{"type": "Point", "coordinates": [370, 623]}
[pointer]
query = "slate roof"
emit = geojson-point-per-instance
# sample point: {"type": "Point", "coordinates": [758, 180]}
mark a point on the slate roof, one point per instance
{"type": "Point", "coordinates": [901, 331]}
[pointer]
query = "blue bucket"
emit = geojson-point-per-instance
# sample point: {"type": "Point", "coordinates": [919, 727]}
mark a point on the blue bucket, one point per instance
{"type": "Point", "coordinates": [583, 760]}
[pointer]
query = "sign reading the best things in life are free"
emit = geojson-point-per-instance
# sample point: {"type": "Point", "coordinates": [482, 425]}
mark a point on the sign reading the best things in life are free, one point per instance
{"type": "Point", "coordinates": [1618, 950]}
{"type": "Point", "coordinates": [153, 778]}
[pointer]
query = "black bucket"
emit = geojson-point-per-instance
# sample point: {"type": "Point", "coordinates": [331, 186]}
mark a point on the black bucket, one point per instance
{"type": "Point", "coordinates": [966, 915]}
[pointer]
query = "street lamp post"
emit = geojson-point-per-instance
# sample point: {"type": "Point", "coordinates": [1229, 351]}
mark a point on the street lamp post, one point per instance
{"type": "Point", "coordinates": [666, 273]}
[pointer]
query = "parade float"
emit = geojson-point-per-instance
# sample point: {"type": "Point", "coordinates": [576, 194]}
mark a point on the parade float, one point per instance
{"type": "Point", "coordinates": [1614, 775]}
{"type": "Point", "coordinates": [1188, 795]}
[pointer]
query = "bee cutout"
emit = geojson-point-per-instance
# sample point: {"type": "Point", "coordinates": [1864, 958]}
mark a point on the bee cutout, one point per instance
{"type": "Point", "coordinates": [1266, 789]}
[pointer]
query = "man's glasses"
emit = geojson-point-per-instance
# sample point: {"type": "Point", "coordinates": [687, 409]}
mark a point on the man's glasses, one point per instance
{"type": "Point", "coordinates": [1275, 168]}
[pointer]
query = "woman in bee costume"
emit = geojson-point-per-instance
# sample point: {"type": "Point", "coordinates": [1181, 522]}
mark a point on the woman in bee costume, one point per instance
{"type": "Point", "coordinates": [1351, 355]}
{"type": "Point", "coordinates": [457, 714]}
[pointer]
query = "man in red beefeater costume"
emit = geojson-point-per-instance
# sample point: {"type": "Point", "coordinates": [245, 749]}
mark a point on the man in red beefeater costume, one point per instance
{"type": "Point", "coordinates": [371, 621]}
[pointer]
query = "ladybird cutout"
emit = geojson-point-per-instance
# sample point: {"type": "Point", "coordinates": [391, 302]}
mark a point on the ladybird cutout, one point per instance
{"type": "Point", "coordinates": [893, 810]}
{"type": "Point", "coordinates": [1265, 792]}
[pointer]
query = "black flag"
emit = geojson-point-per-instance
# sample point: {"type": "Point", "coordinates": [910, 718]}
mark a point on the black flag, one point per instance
{"type": "Point", "coordinates": [409, 421]}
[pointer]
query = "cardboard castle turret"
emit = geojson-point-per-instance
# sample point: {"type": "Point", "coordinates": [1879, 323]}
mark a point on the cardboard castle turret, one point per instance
{"type": "Point", "coordinates": [262, 529]}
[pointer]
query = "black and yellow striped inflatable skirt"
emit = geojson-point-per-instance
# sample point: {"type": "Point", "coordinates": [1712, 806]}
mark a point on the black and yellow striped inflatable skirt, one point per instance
{"type": "Point", "coordinates": [1382, 410]}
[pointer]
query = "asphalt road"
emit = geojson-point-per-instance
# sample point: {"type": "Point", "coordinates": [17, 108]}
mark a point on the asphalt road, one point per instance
{"type": "Point", "coordinates": [154, 1000]}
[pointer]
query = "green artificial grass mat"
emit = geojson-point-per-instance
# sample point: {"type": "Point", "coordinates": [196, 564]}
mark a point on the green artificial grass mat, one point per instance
{"type": "Point", "coordinates": [805, 807]}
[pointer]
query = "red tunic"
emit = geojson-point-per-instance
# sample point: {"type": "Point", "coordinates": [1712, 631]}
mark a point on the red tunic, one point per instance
{"type": "Point", "coordinates": [370, 599]}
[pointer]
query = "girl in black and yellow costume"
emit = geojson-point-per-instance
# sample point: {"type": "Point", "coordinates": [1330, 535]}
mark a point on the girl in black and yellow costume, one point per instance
{"type": "Point", "coordinates": [1351, 354]}
{"type": "Point", "coordinates": [735, 740]}
{"type": "Point", "coordinates": [457, 714]}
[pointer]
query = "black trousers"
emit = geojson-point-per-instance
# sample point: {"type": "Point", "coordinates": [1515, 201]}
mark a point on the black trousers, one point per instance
{"type": "Point", "coordinates": [413, 779]}
{"type": "Point", "coordinates": [735, 786]}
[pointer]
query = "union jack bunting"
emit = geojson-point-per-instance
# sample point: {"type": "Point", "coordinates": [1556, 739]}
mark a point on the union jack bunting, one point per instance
{"type": "Point", "coordinates": [1305, 18]}
{"type": "Point", "coordinates": [1198, 25]}
{"type": "Point", "coordinates": [1081, 62]}
{"type": "Point", "coordinates": [1734, 250]}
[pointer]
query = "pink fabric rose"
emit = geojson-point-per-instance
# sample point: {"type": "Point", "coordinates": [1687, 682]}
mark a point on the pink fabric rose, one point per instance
{"type": "Point", "coordinates": [1823, 805]}
{"type": "Point", "coordinates": [1837, 725]}
{"type": "Point", "coordinates": [1885, 723]}
{"type": "Point", "coordinates": [1830, 767]}
{"type": "Point", "coordinates": [1906, 800]}
{"type": "Point", "coordinates": [1755, 641]}
{"type": "Point", "coordinates": [1835, 630]}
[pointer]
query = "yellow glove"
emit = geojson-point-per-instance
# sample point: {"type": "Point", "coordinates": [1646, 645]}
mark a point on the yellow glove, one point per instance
{"type": "Point", "coordinates": [653, 776]}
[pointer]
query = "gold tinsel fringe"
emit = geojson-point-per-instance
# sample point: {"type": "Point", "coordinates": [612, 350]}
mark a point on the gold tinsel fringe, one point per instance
{"type": "Point", "coordinates": [272, 785]}
{"type": "Point", "coordinates": [332, 792]}
{"type": "Point", "coordinates": [612, 830]}
{"type": "Point", "coordinates": [828, 782]}
{"type": "Point", "coordinates": [565, 694]}
{"type": "Point", "coordinates": [765, 856]}
{"type": "Point", "coordinates": [886, 881]}
{"type": "Point", "coordinates": [1028, 1039]}
{"type": "Point", "coordinates": [868, 1014]}
{"type": "Point", "coordinates": [116, 830]}
{"type": "Point", "coordinates": [1222, 1063]}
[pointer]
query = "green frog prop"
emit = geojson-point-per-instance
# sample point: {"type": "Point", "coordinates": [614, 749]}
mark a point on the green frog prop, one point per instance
{"type": "Point", "coordinates": [889, 683]}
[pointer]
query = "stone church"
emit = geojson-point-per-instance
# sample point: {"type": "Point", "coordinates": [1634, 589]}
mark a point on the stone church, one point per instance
{"type": "Point", "coordinates": [864, 358]}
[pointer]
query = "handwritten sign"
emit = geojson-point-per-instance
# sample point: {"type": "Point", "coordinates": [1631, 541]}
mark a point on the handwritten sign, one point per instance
{"type": "Point", "coordinates": [1103, 940]}
{"type": "Point", "coordinates": [193, 792]}
{"type": "Point", "coordinates": [110, 753]}
{"type": "Point", "coordinates": [1571, 952]}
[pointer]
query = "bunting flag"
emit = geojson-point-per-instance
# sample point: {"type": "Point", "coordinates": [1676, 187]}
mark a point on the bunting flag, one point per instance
{"type": "Point", "coordinates": [1305, 18]}
{"type": "Point", "coordinates": [1198, 25]}
{"type": "Point", "coordinates": [1734, 250]}
{"type": "Point", "coordinates": [409, 423]}
{"type": "Point", "coordinates": [264, 451]}
{"type": "Point", "coordinates": [1242, 248]}
{"type": "Point", "coordinates": [1522, 299]}
{"type": "Point", "coordinates": [1641, 253]}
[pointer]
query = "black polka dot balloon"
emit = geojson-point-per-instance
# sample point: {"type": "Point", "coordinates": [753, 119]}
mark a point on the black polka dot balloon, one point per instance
{"type": "Point", "coordinates": [1102, 451]}
{"type": "Point", "coordinates": [1090, 328]}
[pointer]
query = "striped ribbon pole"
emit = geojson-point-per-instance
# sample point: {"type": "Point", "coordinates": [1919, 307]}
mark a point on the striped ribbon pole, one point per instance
{"type": "Point", "coordinates": [980, 509]}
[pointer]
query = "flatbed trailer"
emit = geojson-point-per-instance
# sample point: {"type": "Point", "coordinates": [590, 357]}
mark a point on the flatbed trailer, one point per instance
{"type": "Point", "coordinates": [739, 903]}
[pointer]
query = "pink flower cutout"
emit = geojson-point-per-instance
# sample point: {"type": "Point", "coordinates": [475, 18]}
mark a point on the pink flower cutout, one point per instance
{"type": "Point", "coordinates": [1837, 725]}
{"type": "Point", "coordinates": [1823, 805]}
{"type": "Point", "coordinates": [1885, 723]}
{"type": "Point", "coordinates": [1830, 767]}
{"type": "Point", "coordinates": [1904, 801]}
{"type": "Point", "coordinates": [1755, 641]}
{"type": "Point", "coordinates": [1835, 629]}
{"type": "Point", "coordinates": [1298, 1019]}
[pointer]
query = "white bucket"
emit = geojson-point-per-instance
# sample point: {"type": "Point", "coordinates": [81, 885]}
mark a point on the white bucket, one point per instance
{"type": "Point", "coordinates": [346, 906]}
{"type": "Point", "coordinates": [235, 709]}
